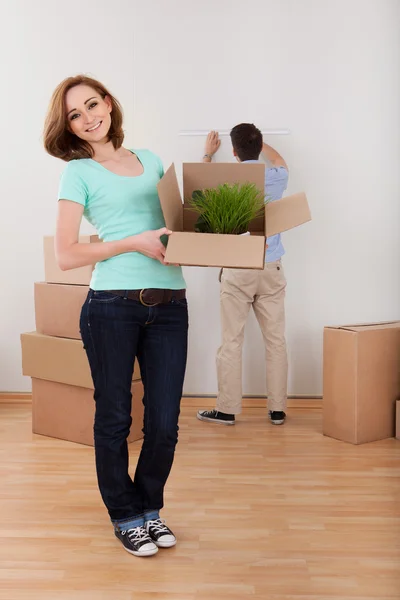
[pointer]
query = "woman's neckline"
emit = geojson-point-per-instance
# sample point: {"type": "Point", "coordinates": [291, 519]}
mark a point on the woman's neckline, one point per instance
{"type": "Point", "coordinates": [117, 174]}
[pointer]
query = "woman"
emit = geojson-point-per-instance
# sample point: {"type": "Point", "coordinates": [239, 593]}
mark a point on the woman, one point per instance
{"type": "Point", "coordinates": [136, 304]}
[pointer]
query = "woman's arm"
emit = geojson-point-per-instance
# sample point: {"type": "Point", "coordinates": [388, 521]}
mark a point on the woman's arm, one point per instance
{"type": "Point", "coordinates": [71, 254]}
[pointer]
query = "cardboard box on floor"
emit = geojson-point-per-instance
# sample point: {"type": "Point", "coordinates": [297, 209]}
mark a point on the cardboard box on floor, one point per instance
{"type": "Point", "coordinates": [186, 247]}
{"type": "Point", "coordinates": [66, 412]}
{"type": "Point", "coordinates": [58, 359]}
{"type": "Point", "coordinates": [361, 372]}
{"type": "Point", "coordinates": [53, 273]}
{"type": "Point", "coordinates": [58, 308]}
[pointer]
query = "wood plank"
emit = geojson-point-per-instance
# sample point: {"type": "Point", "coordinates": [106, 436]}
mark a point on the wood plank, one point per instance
{"type": "Point", "coordinates": [192, 401]}
{"type": "Point", "coordinates": [261, 512]}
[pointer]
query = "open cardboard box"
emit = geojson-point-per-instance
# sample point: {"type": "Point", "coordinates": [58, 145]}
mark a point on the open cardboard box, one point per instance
{"type": "Point", "coordinates": [186, 247]}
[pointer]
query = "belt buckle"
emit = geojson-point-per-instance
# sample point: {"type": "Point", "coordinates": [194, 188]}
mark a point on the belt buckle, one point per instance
{"type": "Point", "coordinates": [145, 303]}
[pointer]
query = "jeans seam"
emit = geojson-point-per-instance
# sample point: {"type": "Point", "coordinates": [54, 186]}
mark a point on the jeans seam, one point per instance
{"type": "Point", "coordinates": [90, 333]}
{"type": "Point", "coordinates": [182, 303]}
{"type": "Point", "coordinates": [105, 300]}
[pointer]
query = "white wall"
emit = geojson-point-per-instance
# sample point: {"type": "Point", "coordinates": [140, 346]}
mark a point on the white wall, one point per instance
{"type": "Point", "coordinates": [327, 71]}
{"type": "Point", "coordinates": [41, 43]}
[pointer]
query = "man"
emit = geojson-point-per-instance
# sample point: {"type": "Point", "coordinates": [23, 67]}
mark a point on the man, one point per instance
{"type": "Point", "coordinates": [244, 288]}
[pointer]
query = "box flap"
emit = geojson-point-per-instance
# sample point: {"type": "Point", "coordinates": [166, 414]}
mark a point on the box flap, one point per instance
{"type": "Point", "coordinates": [287, 213]}
{"type": "Point", "coordinates": [213, 250]}
{"type": "Point", "coordinates": [366, 326]}
{"type": "Point", "coordinates": [200, 176]}
{"type": "Point", "coordinates": [171, 200]}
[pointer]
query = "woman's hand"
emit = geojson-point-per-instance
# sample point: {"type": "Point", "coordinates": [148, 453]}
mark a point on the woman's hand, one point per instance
{"type": "Point", "coordinates": [149, 243]}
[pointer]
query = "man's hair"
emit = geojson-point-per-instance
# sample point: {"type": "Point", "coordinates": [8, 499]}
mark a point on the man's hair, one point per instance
{"type": "Point", "coordinates": [247, 141]}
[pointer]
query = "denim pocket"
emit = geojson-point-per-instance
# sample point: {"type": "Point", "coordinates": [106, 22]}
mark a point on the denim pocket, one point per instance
{"type": "Point", "coordinates": [104, 297]}
{"type": "Point", "coordinates": [181, 302]}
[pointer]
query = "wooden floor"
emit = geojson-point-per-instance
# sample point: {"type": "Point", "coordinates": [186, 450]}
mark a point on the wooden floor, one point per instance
{"type": "Point", "coordinates": [261, 512]}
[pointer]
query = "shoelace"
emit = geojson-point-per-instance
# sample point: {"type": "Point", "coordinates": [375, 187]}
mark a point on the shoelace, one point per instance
{"type": "Point", "coordinates": [137, 534]}
{"type": "Point", "coordinates": [211, 413]}
{"type": "Point", "coordinates": [159, 526]}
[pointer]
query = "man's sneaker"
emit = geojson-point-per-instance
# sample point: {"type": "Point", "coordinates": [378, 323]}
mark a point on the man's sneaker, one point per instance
{"type": "Point", "coordinates": [277, 417]}
{"type": "Point", "coordinates": [161, 535]}
{"type": "Point", "coordinates": [215, 416]}
{"type": "Point", "coordinates": [137, 541]}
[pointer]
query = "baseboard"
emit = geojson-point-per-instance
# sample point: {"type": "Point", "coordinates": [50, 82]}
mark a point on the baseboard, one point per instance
{"type": "Point", "coordinates": [253, 401]}
{"type": "Point", "coordinates": [191, 401]}
{"type": "Point", "coordinates": [15, 398]}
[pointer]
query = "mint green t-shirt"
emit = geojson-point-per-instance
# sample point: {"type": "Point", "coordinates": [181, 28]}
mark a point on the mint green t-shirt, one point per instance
{"type": "Point", "coordinates": [119, 206]}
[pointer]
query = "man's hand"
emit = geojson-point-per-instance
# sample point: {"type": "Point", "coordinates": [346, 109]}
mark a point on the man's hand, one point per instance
{"type": "Point", "coordinates": [212, 144]}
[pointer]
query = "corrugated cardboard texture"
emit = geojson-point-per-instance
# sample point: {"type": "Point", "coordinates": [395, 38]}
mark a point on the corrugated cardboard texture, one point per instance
{"type": "Point", "coordinates": [200, 176]}
{"type": "Point", "coordinates": [170, 199]}
{"type": "Point", "coordinates": [225, 251]}
{"type": "Point", "coordinates": [361, 381]}
{"type": "Point", "coordinates": [398, 419]}
{"type": "Point", "coordinates": [66, 412]}
{"type": "Point", "coordinates": [287, 213]}
{"type": "Point", "coordinates": [58, 359]}
{"type": "Point", "coordinates": [339, 385]}
{"type": "Point", "coordinates": [53, 273]}
{"type": "Point", "coordinates": [211, 250]}
{"type": "Point", "coordinates": [367, 326]}
{"type": "Point", "coordinates": [58, 308]}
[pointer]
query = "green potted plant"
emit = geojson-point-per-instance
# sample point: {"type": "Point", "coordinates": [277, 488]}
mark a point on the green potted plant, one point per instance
{"type": "Point", "coordinates": [228, 208]}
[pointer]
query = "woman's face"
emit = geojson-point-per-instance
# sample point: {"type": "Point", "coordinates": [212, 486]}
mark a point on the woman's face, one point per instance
{"type": "Point", "coordinates": [88, 114]}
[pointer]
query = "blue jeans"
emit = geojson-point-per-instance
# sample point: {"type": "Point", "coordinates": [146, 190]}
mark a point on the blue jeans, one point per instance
{"type": "Point", "coordinates": [114, 331]}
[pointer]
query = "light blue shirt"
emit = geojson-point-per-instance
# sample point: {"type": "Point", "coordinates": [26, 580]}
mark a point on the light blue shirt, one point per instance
{"type": "Point", "coordinates": [276, 180]}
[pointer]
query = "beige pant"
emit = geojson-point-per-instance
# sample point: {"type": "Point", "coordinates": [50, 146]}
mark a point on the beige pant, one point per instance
{"type": "Point", "coordinates": [265, 292]}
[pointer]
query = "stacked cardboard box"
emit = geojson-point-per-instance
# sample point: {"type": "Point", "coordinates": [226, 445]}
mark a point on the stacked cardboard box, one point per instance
{"type": "Point", "coordinates": [53, 355]}
{"type": "Point", "coordinates": [361, 381]}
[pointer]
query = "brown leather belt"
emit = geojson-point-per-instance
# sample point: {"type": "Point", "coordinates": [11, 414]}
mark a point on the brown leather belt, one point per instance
{"type": "Point", "coordinates": [151, 297]}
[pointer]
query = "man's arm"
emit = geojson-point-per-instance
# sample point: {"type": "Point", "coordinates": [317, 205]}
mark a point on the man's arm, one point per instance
{"type": "Point", "coordinates": [273, 156]}
{"type": "Point", "coordinates": [212, 144]}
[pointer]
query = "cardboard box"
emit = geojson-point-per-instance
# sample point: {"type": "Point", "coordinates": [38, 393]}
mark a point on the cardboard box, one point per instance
{"type": "Point", "coordinates": [66, 412]}
{"type": "Point", "coordinates": [58, 359]}
{"type": "Point", "coordinates": [53, 273]}
{"type": "Point", "coordinates": [398, 419]}
{"type": "Point", "coordinates": [361, 370]}
{"type": "Point", "coordinates": [186, 247]}
{"type": "Point", "coordinates": [58, 309]}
